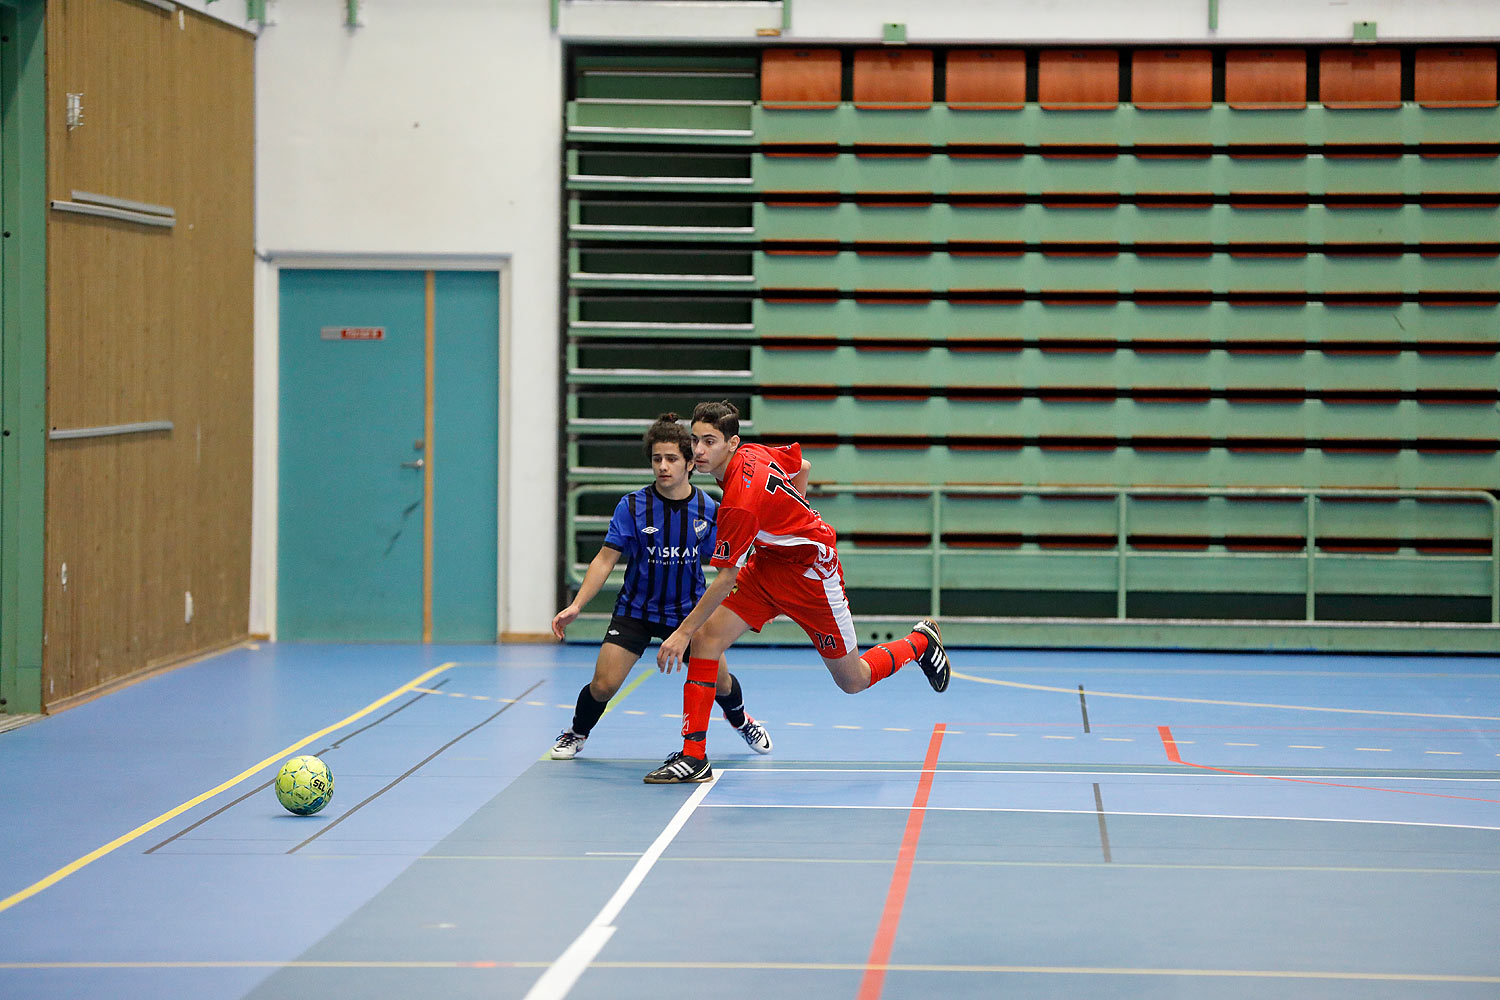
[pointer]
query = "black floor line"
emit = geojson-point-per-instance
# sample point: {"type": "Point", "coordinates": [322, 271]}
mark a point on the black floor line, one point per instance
{"type": "Point", "coordinates": [1085, 708]}
{"type": "Point", "coordinates": [267, 784]}
{"type": "Point", "coordinates": [1103, 830]}
{"type": "Point", "coordinates": [416, 767]}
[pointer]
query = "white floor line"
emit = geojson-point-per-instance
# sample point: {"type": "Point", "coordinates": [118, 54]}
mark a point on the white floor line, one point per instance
{"type": "Point", "coordinates": [1110, 812]}
{"type": "Point", "coordinates": [558, 980]}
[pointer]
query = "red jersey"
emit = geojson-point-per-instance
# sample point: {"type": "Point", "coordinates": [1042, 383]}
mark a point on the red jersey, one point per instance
{"type": "Point", "coordinates": [762, 508]}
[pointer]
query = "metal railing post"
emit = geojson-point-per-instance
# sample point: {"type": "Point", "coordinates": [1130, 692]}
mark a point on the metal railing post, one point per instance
{"type": "Point", "coordinates": [1494, 561]}
{"type": "Point", "coordinates": [1311, 500]}
{"type": "Point", "coordinates": [1120, 539]}
{"type": "Point", "coordinates": [936, 599]}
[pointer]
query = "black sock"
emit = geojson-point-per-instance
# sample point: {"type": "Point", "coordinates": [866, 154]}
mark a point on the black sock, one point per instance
{"type": "Point", "coordinates": [733, 703]}
{"type": "Point", "coordinates": [587, 713]}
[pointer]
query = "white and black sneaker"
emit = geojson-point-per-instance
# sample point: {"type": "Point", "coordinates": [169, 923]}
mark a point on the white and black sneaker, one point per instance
{"type": "Point", "coordinates": [680, 768]}
{"type": "Point", "coordinates": [934, 660]}
{"type": "Point", "coordinates": [755, 735]}
{"type": "Point", "coordinates": [568, 745]}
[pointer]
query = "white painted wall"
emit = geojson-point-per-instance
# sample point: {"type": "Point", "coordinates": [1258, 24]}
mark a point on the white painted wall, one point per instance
{"type": "Point", "coordinates": [434, 131]}
{"type": "Point", "coordinates": [1039, 21]}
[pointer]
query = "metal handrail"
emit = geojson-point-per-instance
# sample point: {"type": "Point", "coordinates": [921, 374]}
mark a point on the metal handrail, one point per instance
{"type": "Point", "coordinates": [1121, 494]}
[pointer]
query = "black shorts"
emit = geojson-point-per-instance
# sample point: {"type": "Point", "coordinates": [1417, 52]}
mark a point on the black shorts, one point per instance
{"type": "Point", "coordinates": [635, 634]}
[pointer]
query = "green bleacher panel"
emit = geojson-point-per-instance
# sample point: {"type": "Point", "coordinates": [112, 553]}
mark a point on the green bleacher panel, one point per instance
{"type": "Point", "coordinates": [1035, 175]}
{"type": "Point", "coordinates": [1219, 322]}
{"type": "Point", "coordinates": [1212, 465]}
{"type": "Point", "coordinates": [686, 173]}
{"type": "Point", "coordinates": [1127, 126]}
{"type": "Point", "coordinates": [1162, 521]}
{"type": "Point", "coordinates": [649, 98]}
{"type": "Point", "coordinates": [1191, 420]}
{"type": "Point", "coordinates": [1037, 301]}
{"type": "Point", "coordinates": [1180, 270]}
{"type": "Point", "coordinates": [635, 120]}
{"type": "Point", "coordinates": [1034, 223]}
{"type": "Point", "coordinates": [1114, 365]}
{"type": "Point", "coordinates": [622, 220]}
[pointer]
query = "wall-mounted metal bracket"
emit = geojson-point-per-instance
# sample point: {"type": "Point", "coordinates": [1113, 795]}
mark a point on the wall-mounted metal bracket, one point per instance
{"type": "Point", "coordinates": [85, 203]}
{"type": "Point", "coordinates": [110, 430]}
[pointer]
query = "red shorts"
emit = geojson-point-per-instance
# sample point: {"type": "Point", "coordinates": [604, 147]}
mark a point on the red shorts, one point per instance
{"type": "Point", "coordinates": [767, 587]}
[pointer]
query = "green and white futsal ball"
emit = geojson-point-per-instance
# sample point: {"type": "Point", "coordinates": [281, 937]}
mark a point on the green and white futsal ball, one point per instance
{"type": "Point", "coordinates": [304, 785]}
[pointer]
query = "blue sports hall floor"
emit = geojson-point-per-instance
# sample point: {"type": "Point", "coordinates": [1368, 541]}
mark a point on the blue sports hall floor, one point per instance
{"type": "Point", "coordinates": [1058, 824]}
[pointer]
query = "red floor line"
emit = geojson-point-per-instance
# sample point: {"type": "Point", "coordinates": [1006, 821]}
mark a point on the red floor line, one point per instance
{"type": "Point", "coordinates": [895, 899]}
{"type": "Point", "coordinates": [1170, 745]}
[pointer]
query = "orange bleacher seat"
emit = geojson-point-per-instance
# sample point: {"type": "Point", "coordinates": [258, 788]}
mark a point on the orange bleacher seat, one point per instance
{"type": "Point", "coordinates": [1265, 78]}
{"type": "Point", "coordinates": [1455, 77]}
{"type": "Point", "coordinates": [800, 79]}
{"type": "Point", "coordinates": [1351, 77]}
{"type": "Point", "coordinates": [1078, 79]}
{"type": "Point", "coordinates": [1171, 79]}
{"type": "Point", "coordinates": [986, 79]}
{"type": "Point", "coordinates": [892, 79]}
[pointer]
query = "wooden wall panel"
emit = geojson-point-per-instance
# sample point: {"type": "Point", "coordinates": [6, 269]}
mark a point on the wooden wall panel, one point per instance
{"type": "Point", "coordinates": [1078, 79]}
{"type": "Point", "coordinates": [147, 323]}
{"type": "Point", "coordinates": [892, 79]}
{"type": "Point", "coordinates": [800, 79]}
{"type": "Point", "coordinates": [1265, 79]}
{"type": "Point", "coordinates": [1351, 77]}
{"type": "Point", "coordinates": [986, 79]}
{"type": "Point", "coordinates": [1172, 79]}
{"type": "Point", "coordinates": [1462, 77]}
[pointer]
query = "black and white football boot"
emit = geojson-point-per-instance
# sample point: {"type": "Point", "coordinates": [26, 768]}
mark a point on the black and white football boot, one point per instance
{"type": "Point", "coordinates": [679, 769]}
{"type": "Point", "coordinates": [934, 661]}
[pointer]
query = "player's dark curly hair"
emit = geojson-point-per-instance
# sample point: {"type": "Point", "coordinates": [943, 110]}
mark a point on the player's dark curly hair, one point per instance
{"type": "Point", "coordinates": [723, 415]}
{"type": "Point", "coordinates": [668, 427]}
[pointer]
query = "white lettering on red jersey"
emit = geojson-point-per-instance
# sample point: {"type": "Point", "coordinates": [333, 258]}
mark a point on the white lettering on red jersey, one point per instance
{"type": "Point", "coordinates": [762, 508]}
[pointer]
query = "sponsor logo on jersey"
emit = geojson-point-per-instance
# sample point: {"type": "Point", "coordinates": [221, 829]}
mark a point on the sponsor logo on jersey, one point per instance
{"type": "Point", "coordinates": [665, 553]}
{"type": "Point", "coordinates": [649, 529]}
{"type": "Point", "coordinates": [721, 551]}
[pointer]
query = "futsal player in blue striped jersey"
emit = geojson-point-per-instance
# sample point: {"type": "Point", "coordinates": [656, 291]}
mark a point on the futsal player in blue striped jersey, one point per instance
{"type": "Point", "coordinates": [664, 530]}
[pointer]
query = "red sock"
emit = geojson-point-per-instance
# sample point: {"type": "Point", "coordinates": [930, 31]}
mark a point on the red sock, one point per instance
{"type": "Point", "coordinates": [697, 702]}
{"type": "Point", "coordinates": [885, 659]}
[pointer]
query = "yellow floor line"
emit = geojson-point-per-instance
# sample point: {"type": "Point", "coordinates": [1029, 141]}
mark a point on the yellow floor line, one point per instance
{"type": "Point", "coordinates": [276, 758]}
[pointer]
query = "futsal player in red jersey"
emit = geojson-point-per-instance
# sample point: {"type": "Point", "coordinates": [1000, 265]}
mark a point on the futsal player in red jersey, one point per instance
{"type": "Point", "coordinates": [774, 556]}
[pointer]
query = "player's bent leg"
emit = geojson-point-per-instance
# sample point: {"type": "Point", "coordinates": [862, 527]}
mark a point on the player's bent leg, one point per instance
{"type": "Point", "coordinates": [850, 672]}
{"type": "Point", "coordinates": [610, 671]}
{"type": "Point", "coordinates": [691, 762]}
{"type": "Point", "coordinates": [924, 644]}
{"type": "Point", "coordinates": [718, 633]}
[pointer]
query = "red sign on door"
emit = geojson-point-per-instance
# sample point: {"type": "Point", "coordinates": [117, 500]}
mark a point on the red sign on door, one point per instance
{"type": "Point", "coordinates": [353, 333]}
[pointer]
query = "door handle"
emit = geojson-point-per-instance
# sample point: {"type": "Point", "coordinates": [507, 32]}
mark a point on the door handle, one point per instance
{"type": "Point", "coordinates": [413, 465]}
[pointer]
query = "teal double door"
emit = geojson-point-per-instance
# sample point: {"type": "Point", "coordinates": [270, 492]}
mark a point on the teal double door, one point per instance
{"type": "Point", "coordinates": [389, 455]}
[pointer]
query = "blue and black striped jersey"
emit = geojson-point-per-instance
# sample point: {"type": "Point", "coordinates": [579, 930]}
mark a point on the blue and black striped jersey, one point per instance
{"type": "Point", "coordinates": [665, 542]}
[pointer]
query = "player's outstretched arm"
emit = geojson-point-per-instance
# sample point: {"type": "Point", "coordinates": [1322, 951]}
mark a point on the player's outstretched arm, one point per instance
{"type": "Point", "coordinates": [593, 582]}
{"type": "Point", "coordinates": [673, 651]}
{"type": "Point", "coordinates": [800, 479]}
